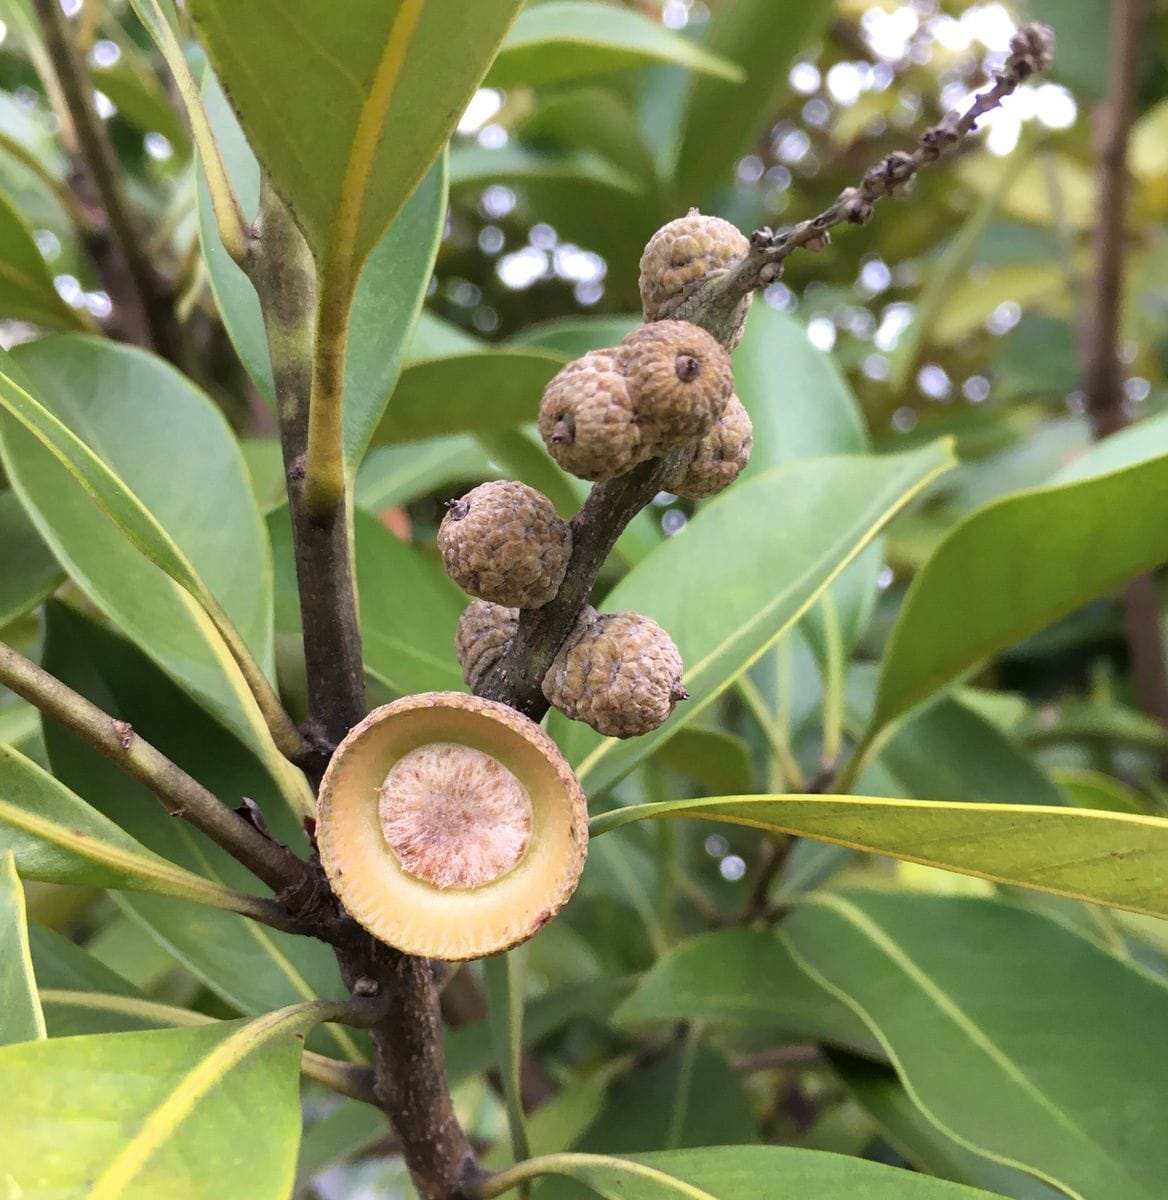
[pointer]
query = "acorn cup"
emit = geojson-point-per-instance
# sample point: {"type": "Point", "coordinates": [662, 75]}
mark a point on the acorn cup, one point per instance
{"type": "Point", "coordinates": [451, 827]}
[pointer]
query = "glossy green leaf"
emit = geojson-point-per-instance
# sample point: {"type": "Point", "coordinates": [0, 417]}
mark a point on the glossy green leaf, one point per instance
{"type": "Point", "coordinates": [1107, 858]}
{"type": "Point", "coordinates": [170, 1104]}
{"type": "Point", "coordinates": [30, 571]}
{"type": "Point", "coordinates": [389, 292]}
{"type": "Point", "coordinates": [394, 475]}
{"type": "Point", "coordinates": [58, 838]}
{"type": "Point", "coordinates": [729, 586]}
{"type": "Point", "coordinates": [1015, 566]}
{"type": "Point", "coordinates": [254, 968]}
{"type": "Point", "coordinates": [573, 39]}
{"type": "Point", "coordinates": [1018, 1037]}
{"type": "Point", "coordinates": [718, 761]}
{"type": "Point", "coordinates": [476, 166]}
{"type": "Point", "coordinates": [722, 122]}
{"type": "Point", "coordinates": [485, 390]}
{"type": "Point", "coordinates": [409, 612]}
{"type": "Point", "coordinates": [743, 1173]}
{"type": "Point", "coordinates": [26, 283]}
{"type": "Point", "coordinates": [575, 336]}
{"type": "Point", "coordinates": [741, 977]}
{"type": "Point", "coordinates": [948, 752]}
{"type": "Point", "coordinates": [348, 109]}
{"type": "Point", "coordinates": [1135, 444]}
{"type": "Point", "coordinates": [21, 1018]}
{"type": "Point", "coordinates": [921, 1143]}
{"type": "Point", "coordinates": [138, 522]}
{"type": "Point", "coordinates": [801, 407]}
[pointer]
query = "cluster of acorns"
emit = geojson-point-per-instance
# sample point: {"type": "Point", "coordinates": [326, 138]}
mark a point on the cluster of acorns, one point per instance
{"type": "Point", "coordinates": [666, 391]}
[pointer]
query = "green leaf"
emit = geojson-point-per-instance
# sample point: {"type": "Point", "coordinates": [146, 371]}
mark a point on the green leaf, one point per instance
{"type": "Point", "coordinates": [409, 611]}
{"type": "Point", "coordinates": [252, 967]}
{"type": "Point", "coordinates": [21, 1019]}
{"type": "Point", "coordinates": [801, 407]}
{"type": "Point", "coordinates": [743, 1173]}
{"type": "Point", "coordinates": [722, 122]}
{"type": "Point", "coordinates": [1066, 1084]}
{"type": "Point", "coordinates": [573, 39]}
{"type": "Point", "coordinates": [27, 291]}
{"type": "Point", "coordinates": [484, 390]}
{"type": "Point", "coordinates": [575, 336]}
{"type": "Point", "coordinates": [718, 761]}
{"type": "Point", "coordinates": [170, 1104]}
{"type": "Point", "coordinates": [477, 166]}
{"type": "Point", "coordinates": [948, 752]}
{"type": "Point", "coordinates": [58, 838]}
{"type": "Point", "coordinates": [728, 588]}
{"type": "Point", "coordinates": [398, 474]}
{"type": "Point", "coordinates": [389, 295]}
{"type": "Point", "coordinates": [347, 110]}
{"type": "Point", "coordinates": [138, 522]}
{"type": "Point", "coordinates": [30, 570]}
{"type": "Point", "coordinates": [1070, 852]}
{"type": "Point", "coordinates": [741, 977]}
{"type": "Point", "coordinates": [1135, 444]}
{"type": "Point", "coordinates": [921, 1143]}
{"type": "Point", "coordinates": [1015, 566]}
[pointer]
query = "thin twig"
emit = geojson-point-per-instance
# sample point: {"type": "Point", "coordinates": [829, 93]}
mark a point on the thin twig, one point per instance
{"type": "Point", "coordinates": [180, 794]}
{"type": "Point", "coordinates": [141, 297]}
{"type": "Point", "coordinates": [1103, 373]}
{"type": "Point", "coordinates": [713, 306]}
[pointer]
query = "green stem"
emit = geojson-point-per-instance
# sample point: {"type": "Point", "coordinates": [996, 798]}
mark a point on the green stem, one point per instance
{"type": "Point", "coordinates": [324, 472]}
{"type": "Point", "coordinates": [773, 729]}
{"type": "Point", "coordinates": [503, 977]}
{"type": "Point", "coordinates": [833, 682]}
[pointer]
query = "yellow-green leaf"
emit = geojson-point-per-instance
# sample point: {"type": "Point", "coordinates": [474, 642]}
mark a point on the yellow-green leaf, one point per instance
{"type": "Point", "coordinates": [1118, 859]}
{"type": "Point", "coordinates": [21, 1019]}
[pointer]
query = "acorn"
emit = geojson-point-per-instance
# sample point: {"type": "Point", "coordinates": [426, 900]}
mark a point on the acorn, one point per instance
{"type": "Point", "coordinates": [586, 418]}
{"type": "Point", "coordinates": [618, 672]}
{"type": "Point", "coordinates": [680, 380]}
{"type": "Point", "coordinates": [504, 542]}
{"type": "Point", "coordinates": [484, 634]}
{"type": "Point", "coordinates": [682, 257]}
{"type": "Point", "coordinates": [711, 464]}
{"type": "Point", "coordinates": [451, 827]}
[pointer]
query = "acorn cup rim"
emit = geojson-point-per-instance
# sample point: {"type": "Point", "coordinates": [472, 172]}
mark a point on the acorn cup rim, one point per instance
{"type": "Point", "coordinates": [407, 912]}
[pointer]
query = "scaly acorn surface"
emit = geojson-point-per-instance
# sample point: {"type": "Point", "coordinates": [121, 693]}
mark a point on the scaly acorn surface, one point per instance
{"type": "Point", "coordinates": [484, 635]}
{"type": "Point", "coordinates": [685, 254]}
{"type": "Point", "coordinates": [505, 542]}
{"type": "Point", "coordinates": [713, 463]}
{"type": "Point", "coordinates": [680, 380]}
{"type": "Point", "coordinates": [586, 419]}
{"type": "Point", "coordinates": [618, 672]}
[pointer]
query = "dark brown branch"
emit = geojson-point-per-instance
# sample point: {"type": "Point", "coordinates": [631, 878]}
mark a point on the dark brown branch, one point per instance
{"type": "Point", "coordinates": [142, 300]}
{"type": "Point", "coordinates": [180, 794]}
{"type": "Point", "coordinates": [281, 270]}
{"type": "Point", "coordinates": [517, 680]}
{"type": "Point", "coordinates": [714, 305]}
{"type": "Point", "coordinates": [1103, 373]}
{"type": "Point", "coordinates": [410, 1066]}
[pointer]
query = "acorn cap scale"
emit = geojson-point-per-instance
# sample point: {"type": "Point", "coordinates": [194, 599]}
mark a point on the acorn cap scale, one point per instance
{"type": "Point", "coordinates": [450, 826]}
